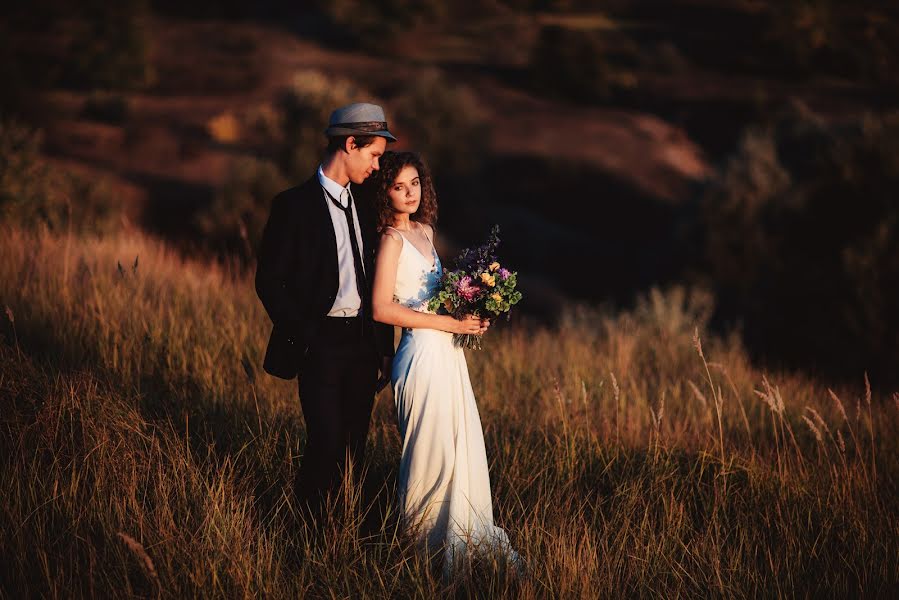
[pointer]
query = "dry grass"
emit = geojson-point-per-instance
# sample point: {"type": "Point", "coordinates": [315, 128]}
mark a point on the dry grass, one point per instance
{"type": "Point", "coordinates": [631, 454]}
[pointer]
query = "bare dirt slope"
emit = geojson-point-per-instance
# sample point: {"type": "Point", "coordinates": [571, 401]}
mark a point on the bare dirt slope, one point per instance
{"type": "Point", "coordinates": [207, 69]}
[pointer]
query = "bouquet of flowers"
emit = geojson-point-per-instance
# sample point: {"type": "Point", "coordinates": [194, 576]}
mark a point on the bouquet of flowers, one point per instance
{"type": "Point", "coordinates": [479, 286]}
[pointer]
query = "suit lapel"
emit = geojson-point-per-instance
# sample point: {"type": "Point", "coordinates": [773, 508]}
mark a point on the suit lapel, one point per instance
{"type": "Point", "coordinates": [320, 230]}
{"type": "Point", "coordinates": [322, 227]}
{"type": "Point", "coordinates": [329, 237]}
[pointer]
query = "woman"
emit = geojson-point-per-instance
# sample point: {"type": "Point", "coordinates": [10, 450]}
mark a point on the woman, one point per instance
{"type": "Point", "coordinates": [444, 484]}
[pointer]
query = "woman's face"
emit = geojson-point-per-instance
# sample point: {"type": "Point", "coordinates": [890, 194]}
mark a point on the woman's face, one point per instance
{"type": "Point", "coordinates": [405, 193]}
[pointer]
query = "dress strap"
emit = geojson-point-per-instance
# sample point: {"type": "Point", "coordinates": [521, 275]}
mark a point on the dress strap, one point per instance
{"type": "Point", "coordinates": [425, 231]}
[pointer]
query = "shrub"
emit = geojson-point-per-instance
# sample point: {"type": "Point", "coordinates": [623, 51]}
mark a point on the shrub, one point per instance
{"type": "Point", "coordinates": [656, 336]}
{"type": "Point", "coordinates": [571, 63]}
{"type": "Point", "coordinates": [803, 30]}
{"type": "Point", "coordinates": [111, 48]}
{"type": "Point", "coordinates": [444, 122]}
{"type": "Point", "coordinates": [576, 61]}
{"type": "Point", "coordinates": [22, 177]}
{"type": "Point", "coordinates": [305, 108]}
{"type": "Point", "coordinates": [820, 36]}
{"type": "Point", "coordinates": [372, 25]}
{"type": "Point", "coordinates": [291, 130]}
{"type": "Point", "coordinates": [34, 193]}
{"type": "Point", "coordinates": [239, 208]}
{"type": "Point", "coordinates": [801, 237]}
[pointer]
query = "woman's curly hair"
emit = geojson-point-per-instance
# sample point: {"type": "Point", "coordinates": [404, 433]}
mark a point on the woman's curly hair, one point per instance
{"type": "Point", "coordinates": [391, 165]}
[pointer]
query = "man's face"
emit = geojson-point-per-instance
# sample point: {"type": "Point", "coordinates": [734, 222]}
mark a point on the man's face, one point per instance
{"type": "Point", "coordinates": [362, 162]}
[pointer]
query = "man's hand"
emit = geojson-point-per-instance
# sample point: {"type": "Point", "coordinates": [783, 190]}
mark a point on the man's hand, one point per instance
{"type": "Point", "coordinates": [386, 368]}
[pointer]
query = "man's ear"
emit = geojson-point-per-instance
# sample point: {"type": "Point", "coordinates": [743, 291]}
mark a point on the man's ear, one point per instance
{"type": "Point", "coordinates": [350, 144]}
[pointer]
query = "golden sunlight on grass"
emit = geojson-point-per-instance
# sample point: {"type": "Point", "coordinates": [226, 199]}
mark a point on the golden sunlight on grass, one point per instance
{"type": "Point", "coordinates": [631, 453]}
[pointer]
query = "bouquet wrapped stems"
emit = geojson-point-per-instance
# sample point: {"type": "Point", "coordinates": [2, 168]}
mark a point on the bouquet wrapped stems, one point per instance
{"type": "Point", "coordinates": [469, 341]}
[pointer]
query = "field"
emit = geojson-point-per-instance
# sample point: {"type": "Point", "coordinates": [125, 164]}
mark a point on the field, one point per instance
{"type": "Point", "coordinates": [632, 453]}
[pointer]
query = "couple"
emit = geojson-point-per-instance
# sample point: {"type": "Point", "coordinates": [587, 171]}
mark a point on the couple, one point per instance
{"type": "Point", "coordinates": [334, 291]}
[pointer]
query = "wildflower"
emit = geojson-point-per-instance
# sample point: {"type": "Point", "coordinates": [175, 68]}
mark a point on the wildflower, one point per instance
{"type": "Point", "coordinates": [496, 296]}
{"type": "Point", "coordinates": [487, 278]}
{"type": "Point", "coordinates": [504, 274]}
{"type": "Point", "coordinates": [493, 266]}
{"type": "Point", "coordinates": [465, 289]}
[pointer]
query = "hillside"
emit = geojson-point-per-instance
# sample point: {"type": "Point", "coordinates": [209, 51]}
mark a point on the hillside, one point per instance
{"type": "Point", "coordinates": [647, 144]}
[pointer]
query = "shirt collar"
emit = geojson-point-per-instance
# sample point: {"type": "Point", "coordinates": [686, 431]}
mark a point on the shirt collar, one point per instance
{"type": "Point", "coordinates": [332, 187]}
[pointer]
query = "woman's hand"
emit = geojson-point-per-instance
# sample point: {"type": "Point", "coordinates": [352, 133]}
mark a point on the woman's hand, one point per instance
{"type": "Point", "coordinates": [485, 323]}
{"type": "Point", "coordinates": [469, 324]}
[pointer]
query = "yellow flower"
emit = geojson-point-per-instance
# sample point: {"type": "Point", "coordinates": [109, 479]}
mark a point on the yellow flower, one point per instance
{"type": "Point", "coordinates": [494, 267]}
{"type": "Point", "coordinates": [496, 296]}
{"type": "Point", "coordinates": [489, 279]}
{"type": "Point", "coordinates": [448, 305]}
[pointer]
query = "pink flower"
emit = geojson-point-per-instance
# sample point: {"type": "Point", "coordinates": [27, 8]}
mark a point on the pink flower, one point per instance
{"type": "Point", "coordinates": [466, 290]}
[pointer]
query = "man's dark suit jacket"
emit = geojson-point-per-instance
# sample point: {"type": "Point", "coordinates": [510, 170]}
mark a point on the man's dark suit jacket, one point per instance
{"type": "Point", "coordinates": [297, 273]}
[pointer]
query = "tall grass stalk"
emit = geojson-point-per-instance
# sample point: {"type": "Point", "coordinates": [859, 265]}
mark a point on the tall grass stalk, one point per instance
{"type": "Point", "coordinates": [146, 455]}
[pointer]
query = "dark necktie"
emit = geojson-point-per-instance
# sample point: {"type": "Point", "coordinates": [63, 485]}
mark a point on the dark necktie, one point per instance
{"type": "Point", "coordinates": [357, 256]}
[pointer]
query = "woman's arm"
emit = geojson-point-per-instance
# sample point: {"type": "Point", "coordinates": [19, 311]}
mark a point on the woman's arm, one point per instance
{"type": "Point", "coordinates": [385, 310]}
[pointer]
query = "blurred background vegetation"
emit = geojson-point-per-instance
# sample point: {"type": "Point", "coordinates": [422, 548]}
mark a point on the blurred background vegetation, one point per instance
{"type": "Point", "coordinates": [745, 148]}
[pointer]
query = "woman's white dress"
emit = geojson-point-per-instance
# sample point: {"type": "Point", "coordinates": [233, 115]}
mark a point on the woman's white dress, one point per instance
{"type": "Point", "coordinates": [444, 484]}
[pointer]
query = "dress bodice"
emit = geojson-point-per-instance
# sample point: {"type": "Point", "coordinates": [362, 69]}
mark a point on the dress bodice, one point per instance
{"type": "Point", "coordinates": [417, 280]}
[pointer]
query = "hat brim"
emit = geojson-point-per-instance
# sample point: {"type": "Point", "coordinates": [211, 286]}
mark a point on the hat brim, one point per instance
{"type": "Point", "coordinates": [339, 131]}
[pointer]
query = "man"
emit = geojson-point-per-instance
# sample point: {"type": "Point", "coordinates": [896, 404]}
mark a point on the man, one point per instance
{"type": "Point", "coordinates": [314, 276]}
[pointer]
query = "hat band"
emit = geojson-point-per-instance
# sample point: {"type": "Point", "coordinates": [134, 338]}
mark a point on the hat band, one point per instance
{"type": "Point", "coordinates": [368, 126]}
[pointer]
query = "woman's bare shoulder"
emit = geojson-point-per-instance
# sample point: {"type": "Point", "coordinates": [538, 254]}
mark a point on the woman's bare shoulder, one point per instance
{"type": "Point", "coordinates": [391, 236]}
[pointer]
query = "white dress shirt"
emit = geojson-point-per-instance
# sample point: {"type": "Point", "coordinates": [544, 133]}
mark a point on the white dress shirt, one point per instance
{"type": "Point", "coordinates": [348, 301]}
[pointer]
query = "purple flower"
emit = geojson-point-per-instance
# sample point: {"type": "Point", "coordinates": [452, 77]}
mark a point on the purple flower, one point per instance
{"type": "Point", "coordinates": [504, 273]}
{"type": "Point", "coordinates": [465, 289]}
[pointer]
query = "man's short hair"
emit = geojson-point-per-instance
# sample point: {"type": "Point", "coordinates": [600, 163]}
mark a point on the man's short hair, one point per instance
{"type": "Point", "coordinates": [338, 142]}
